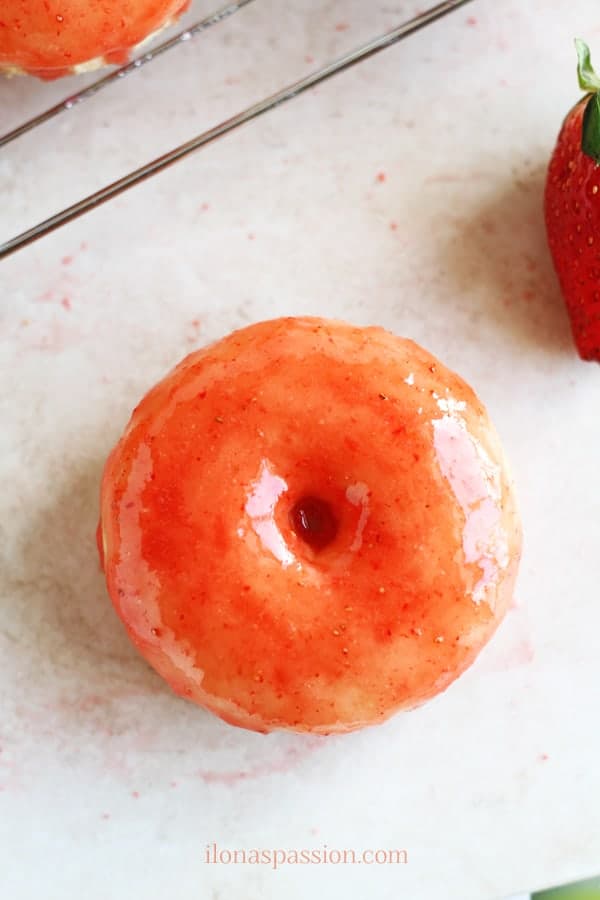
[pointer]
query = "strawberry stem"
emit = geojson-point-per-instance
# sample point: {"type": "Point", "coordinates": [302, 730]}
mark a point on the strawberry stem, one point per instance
{"type": "Point", "coordinates": [590, 82]}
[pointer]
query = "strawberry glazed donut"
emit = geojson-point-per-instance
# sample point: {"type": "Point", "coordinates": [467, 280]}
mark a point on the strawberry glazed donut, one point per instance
{"type": "Point", "coordinates": [50, 38]}
{"type": "Point", "coordinates": [309, 526]}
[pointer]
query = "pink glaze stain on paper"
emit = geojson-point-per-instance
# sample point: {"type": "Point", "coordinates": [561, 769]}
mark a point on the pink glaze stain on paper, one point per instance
{"type": "Point", "coordinates": [101, 716]}
{"type": "Point", "coordinates": [51, 336]}
{"type": "Point", "coordinates": [193, 330]}
{"type": "Point", "coordinates": [50, 333]}
{"type": "Point", "coordinates": [66, 281]}
{"type": "Point", "coordinates": [503, 656]}
{"type": "Point", "coordinates": [286, 762]}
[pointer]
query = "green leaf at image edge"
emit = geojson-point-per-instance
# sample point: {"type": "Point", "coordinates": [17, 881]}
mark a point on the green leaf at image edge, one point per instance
{"type": "Point", "coordinates": [582, 890]}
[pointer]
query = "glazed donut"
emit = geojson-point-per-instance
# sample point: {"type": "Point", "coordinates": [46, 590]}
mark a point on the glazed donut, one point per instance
{"type": "Point", "coordinates": [310, 526]}
{"type": "Point", "coordinates": [50, 38]}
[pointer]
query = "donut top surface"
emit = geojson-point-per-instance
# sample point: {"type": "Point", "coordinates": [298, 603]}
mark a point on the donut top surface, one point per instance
{"type": "Point", "coordinates": [49, 38]}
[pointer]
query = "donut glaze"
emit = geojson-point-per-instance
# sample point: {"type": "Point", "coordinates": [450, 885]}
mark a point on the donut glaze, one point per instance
{"type": "Point", "coordinates": [51, 38]}
{"type": "Point", "coordinates": [309, 525]}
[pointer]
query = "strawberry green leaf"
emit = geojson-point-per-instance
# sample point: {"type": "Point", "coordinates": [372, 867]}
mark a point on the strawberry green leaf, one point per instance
{"type": "Point", "coordinates": [590, 140]}
{"type": "Point", "coordinates": [588, 80]}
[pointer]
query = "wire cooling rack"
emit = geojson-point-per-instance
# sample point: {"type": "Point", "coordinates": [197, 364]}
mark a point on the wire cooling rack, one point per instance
{"type": "Point", "coordinates": [206, 137]}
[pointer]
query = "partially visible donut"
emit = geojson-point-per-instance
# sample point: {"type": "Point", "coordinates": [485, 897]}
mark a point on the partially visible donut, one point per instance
{"type": "Point", "coordinates": [51, 38]}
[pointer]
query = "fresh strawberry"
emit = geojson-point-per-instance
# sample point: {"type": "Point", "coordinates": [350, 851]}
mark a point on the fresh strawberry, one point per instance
{"type": "Point", "coordinates": [572, 210]}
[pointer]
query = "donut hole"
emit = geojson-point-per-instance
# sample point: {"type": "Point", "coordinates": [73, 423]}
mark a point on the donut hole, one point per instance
{"type": "Point", "coordinates": [313, 521]}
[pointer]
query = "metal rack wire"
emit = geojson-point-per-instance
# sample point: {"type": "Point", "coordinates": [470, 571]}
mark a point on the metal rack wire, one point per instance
{"type": "Point", "coordinates": [252, 112]}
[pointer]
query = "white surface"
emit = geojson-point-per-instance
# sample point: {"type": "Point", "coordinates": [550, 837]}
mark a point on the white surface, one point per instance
{"type": "Point", "coordinates": [461, 118]}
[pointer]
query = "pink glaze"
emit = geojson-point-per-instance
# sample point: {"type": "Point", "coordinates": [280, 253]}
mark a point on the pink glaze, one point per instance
{"type": "Point", "coordinates": [227, 598]}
